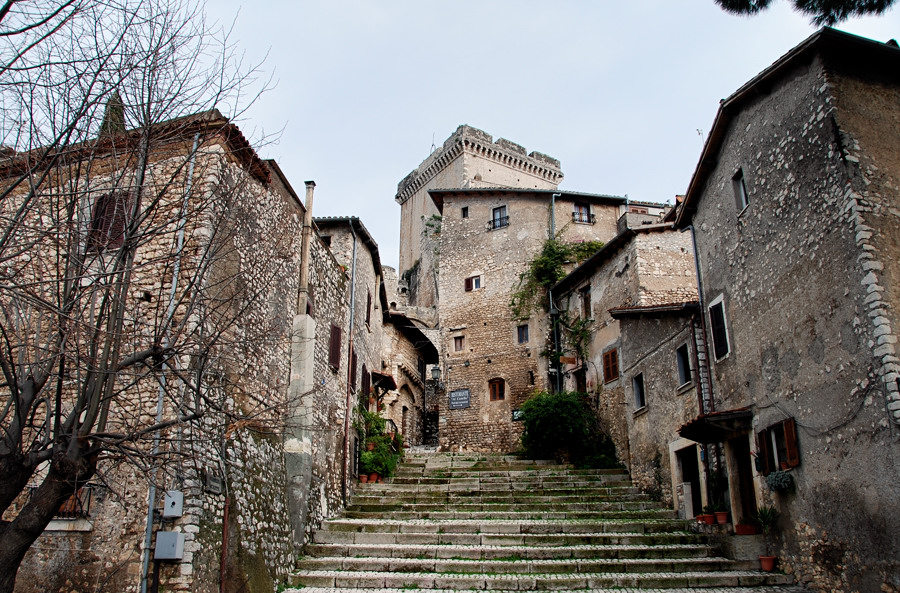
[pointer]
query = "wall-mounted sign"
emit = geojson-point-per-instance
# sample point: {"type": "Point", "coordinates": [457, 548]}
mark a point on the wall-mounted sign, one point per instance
{"type": "Point", "coordinates": [459, 399]}
{"type": "Point", "coordinates": [568, 360]}
{"type": "Point", "coordinates": [517, 415]}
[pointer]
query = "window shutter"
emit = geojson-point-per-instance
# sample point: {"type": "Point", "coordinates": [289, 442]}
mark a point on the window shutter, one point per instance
{"type": "Point", "coordinates": [334, 348]}
{"type": "Point", "coordinates": [468, 284]}
{"type": "Point", "coordinates": [368, 307]}
{"type": "Point", "coordinates": [790, 442]}
{"type": "Point", "coordinates": [720, 338]}
{"type": "Point", "coordinates": [366, 381]}
{"type": "Point", "coordinates": [762, 452]}
{"type": "Point", "coordinates": [352, 369]}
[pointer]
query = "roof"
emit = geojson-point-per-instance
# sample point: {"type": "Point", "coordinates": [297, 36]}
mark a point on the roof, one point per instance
{"type": "Point", "coordinates": [595, 261]}
{"type": "Point", "coordinates": [852, 47]}
{"type": "Point", "coordinates": [211, 123]}
{"type": "Point", "coordinates": [718, 427]}
{"type": "Point", "coordinates": [360, 229]}
{"type": "Point", "coordinates": [384, 381]}
{"type": "Point", "coordinates": [437, 195]}
{"type": "Point", "coordinates": [654, 310]}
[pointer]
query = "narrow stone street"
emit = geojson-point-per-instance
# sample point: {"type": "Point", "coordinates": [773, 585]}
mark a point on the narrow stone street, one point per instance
{"type": "Point", "coordinates": [459, 522]}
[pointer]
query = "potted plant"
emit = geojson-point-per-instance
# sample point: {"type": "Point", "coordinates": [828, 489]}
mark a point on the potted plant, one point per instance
{"type": "Point", "coordinates": [780, 481]}
{"type": "Point", "coordinates": [767, 517]}
{"type": "Point", "coordinates": [721, 512]}
{"type": "Point", "coordinates": [746, 527]}
{"type": "Point", "coordinates": [708, 516]}
{"type": "Point", "coordinates": [367, 466]}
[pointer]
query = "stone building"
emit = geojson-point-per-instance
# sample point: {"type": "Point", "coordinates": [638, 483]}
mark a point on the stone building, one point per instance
{"type": "Point", "coordinates": [638, 295]}
{"type": "Point", "coordinates": [795, 207]}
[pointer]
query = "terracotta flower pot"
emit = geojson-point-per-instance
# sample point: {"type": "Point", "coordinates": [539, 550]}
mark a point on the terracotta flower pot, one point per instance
{"type": "Point", "coordinates": [721, 517]}
{"type": "Point", "coordinates": [709, 519]}
{"type": "Point", "coordinates": [767, 563]}
{"type": "Point", "coordinates": [363, 478]}
{"type": "Point", "coordinates": [370, 446]}
{"type": "Point", "coordinates": [745, 529]}
{"type": "Point", "coordinates": [373, 477]}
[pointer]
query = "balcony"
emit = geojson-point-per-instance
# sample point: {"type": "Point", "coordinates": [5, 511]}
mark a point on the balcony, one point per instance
{"type": "Point", "coordinates": [77, 506]}
{"type": "Point", "coordinates": [497, 223]}
{"type": "Point", "coordinates": [583, 217]}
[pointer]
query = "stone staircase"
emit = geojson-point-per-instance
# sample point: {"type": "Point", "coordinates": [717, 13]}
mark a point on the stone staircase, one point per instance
{"type": "Point", "coordinates": [461, 522]}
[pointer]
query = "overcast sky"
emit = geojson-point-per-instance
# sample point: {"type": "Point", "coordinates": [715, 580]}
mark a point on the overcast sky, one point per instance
{"type": "Point", "coordinates": [622, 93]}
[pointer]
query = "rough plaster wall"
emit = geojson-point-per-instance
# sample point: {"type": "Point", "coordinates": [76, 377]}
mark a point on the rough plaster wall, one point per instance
{"type": "Point", "coordinates": [795, 259]}
{"type": "Point", "coordinates": [648, 347]}
{"type": "Point", "coordinates": [665, 268]}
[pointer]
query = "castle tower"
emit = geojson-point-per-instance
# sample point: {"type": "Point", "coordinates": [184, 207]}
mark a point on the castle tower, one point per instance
{"type": "Point", "coordinates": [468, 159]}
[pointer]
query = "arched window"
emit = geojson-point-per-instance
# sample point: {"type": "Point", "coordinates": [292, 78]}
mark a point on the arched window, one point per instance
{"type": "Point", "coordinates": [497, 389]}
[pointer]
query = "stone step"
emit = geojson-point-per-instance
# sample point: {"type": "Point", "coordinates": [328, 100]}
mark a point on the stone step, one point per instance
{"type": "Point", "coordinates": [514, 565]}
{"type": "Point", "coordinates": [512, 506]}
{"type": "Point", "coordinates": [500, 539]}
{"type": "Point", "coordinates": [379, 525]}
{"type": "Point", "coordinates": [752, 589]}
{"type": "Point", "coordinates": [520, 516]}
{"type": "Point", "coordinates": [503, 498]}
{"type": "Point", "coordinates": [494, 472]}
{"type": "Point", "coordinates": [390, 489]}
{"type": "Point", "coordinates": [534, 582]}
{"type": "Point", "coordinates": [607, 551]}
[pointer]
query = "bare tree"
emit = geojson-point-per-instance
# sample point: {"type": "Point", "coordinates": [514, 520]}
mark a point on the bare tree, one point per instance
{"type": "Point", "coordinates": [822, 12]}
{"type": "Point", "coordinates": [119, 291]}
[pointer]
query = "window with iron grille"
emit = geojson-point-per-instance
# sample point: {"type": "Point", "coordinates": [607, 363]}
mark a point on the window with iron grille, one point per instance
{"type": "Point", "coordinates": [581, 213]}
{"type": "Point", "coordinates": [499, 218]}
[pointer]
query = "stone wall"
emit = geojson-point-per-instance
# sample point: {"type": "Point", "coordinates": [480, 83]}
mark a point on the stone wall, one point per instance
{"type": "Point", "coordinates": [800, 257]}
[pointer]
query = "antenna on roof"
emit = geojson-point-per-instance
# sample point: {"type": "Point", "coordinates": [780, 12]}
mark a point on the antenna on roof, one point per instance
{"type": "Point", "coordinates": [432, 143]}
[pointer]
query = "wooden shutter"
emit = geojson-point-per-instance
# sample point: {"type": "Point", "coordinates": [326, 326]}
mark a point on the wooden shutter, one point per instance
{"type": "Point", "coordinates": [762, 452]}
{"type": "Point", "coordinates": [790, 442]}
{"type": "Point", "coordinates": [610, 365]}
{"type": "Point", "coordinates": [366, 381]}
{"type": "Point", "coordinates": [108, 222]}
{"type": "Point", "coordinates": [368, 307]}
{"type": "Point", "coordinates": [468, 284]}
{"type": "Point", "coordinates": [720, 333]}
{"type": "Point", "coordinates": [334, 347]}
{"type": "Point", "coordinates": [352, 368]}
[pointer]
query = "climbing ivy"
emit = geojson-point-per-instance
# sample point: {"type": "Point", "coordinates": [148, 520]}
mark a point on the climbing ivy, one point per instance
{"type": "Point", "coordinates": [545, 270]}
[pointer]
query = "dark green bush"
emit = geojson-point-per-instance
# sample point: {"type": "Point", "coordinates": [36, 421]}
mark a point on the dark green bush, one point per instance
{"type": "Point", "coordinates": [563, 426]}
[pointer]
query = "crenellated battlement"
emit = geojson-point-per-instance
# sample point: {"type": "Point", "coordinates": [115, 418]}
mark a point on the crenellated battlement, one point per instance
{"type": "Point", "coordinates": [467, 139]}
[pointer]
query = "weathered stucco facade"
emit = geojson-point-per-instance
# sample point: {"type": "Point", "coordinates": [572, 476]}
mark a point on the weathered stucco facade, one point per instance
{"type": "Point", "coordinates": [803, 266]}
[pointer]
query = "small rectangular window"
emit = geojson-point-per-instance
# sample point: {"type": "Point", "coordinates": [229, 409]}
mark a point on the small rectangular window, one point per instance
{"type": "Point", "coordinates": [777, 447]}
{"type": "Point", "coordinates": [497, 389]}
{"type": "Point", "coordinates": [334, 347]}
{"type": "Point", "coordinates": [352, 369]}
{"type": "Point", "coordinates": [581, 213]}
{"type": "Point", "coordinates": [586, 302]}
{"type": "Point", "coordinates": [473, 283]}
{"type": "Point", "coordinates": [684, 365]}
{"type": "Point", "coordinates": [637, 384]}
{"type": "Point", "coordinates": [522, 334]}
{"type": "Point", "coordinates": [719, 329]}
{"type": "Point", "coordinates": [108, 222]}
{"type": "Point", "coordinates": [741, 199]}
{"type": "Point", "coordinates": [610, 365]}
{"type": "Point", "coordinates": [465, 212]}
{"type": "Point", "coordinates": [368, 308]}
{"type": "Point", "coordinates": [459, 343]}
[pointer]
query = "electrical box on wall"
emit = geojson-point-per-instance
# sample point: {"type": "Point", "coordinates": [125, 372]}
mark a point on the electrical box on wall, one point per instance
{"type": "Point", "coordinates": [169, 545]}
{"type": "Point", "coordinates": [174, 504]}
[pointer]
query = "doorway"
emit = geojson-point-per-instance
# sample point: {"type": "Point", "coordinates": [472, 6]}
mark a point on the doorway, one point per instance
{"type": "Point", "coordinates": [743, 473]}
{"type": "Point", "coordinates": [690, 473]}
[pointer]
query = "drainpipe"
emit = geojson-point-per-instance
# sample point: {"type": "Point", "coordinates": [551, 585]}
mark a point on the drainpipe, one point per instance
{"type": "Point", "coordinates": [170, 312]}
{"type": "Point", "coordinates": [304, 249]}
{"type": "Point", "coordinates": [553, 214]}
{"type": "Point", "coordinates": [345, 468]}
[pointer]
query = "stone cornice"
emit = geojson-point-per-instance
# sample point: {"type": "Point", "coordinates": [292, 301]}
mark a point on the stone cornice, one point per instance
{"type": "Point", "coordinates": [471, 140]}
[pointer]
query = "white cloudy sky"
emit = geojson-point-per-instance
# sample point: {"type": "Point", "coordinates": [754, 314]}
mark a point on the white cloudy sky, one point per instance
{"type": "Point", "coordinates": [617, 91]}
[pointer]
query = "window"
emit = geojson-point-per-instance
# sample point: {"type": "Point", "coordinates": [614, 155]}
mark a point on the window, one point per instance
{"type": "Point", "coordinates": [473, 283]}
{"type": "Point", "coordinates": [421, 366]}
{"type": "Point", "coordinates": [465, 212]}
{"type": "Point", "coordinates": [334, 347]}
{"type": "Point", "coordinates": [684, 365]}
{"type": "Point", "coordinates": [522, 334]}
{"type": "Point", "coordinates": [352, 369]}
{"type": "Point", "coordinates": [368, 307]}
{"type": "Point", "coordinates": [531, 377]}
{"type": "Point", "coordinates": [497, 389]}
{"type": "Point", "coordinates": [638, 210]}
{"type": "Point", "coordinates": [499, 218]}
{"type": "Point", "coordinates": [581, 213]}
{"type": "Point", "coordinates": [366, 381]}
{"type": "Point", "coordinates": [777, 447]}
{"type": "Point", "coordinates": [640, 398]}
{"type": "Point", "coordinates": [741, 199]}
{"type": "Point", "coordinates": [719, 328]}
{"type": "Point", "coordinates": [586, 302]}
{"type": "Point", "coordinates": [326, 239]}
{"type": "Point", "coordinates": [610, 365]}
{"type": "Point", "coordinates": [108, 222]}
{"type": "Point", "coordinates": [459, 343]}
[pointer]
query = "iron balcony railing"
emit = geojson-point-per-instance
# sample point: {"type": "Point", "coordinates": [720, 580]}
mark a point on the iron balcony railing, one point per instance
{"type": "Point", "coordinates": [584, 217]}
{"type": "Point", "coordinates": [498, 223]}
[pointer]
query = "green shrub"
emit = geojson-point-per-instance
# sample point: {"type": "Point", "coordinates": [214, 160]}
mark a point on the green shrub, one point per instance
{"type": "Point", "coordinates": [563, 426]}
